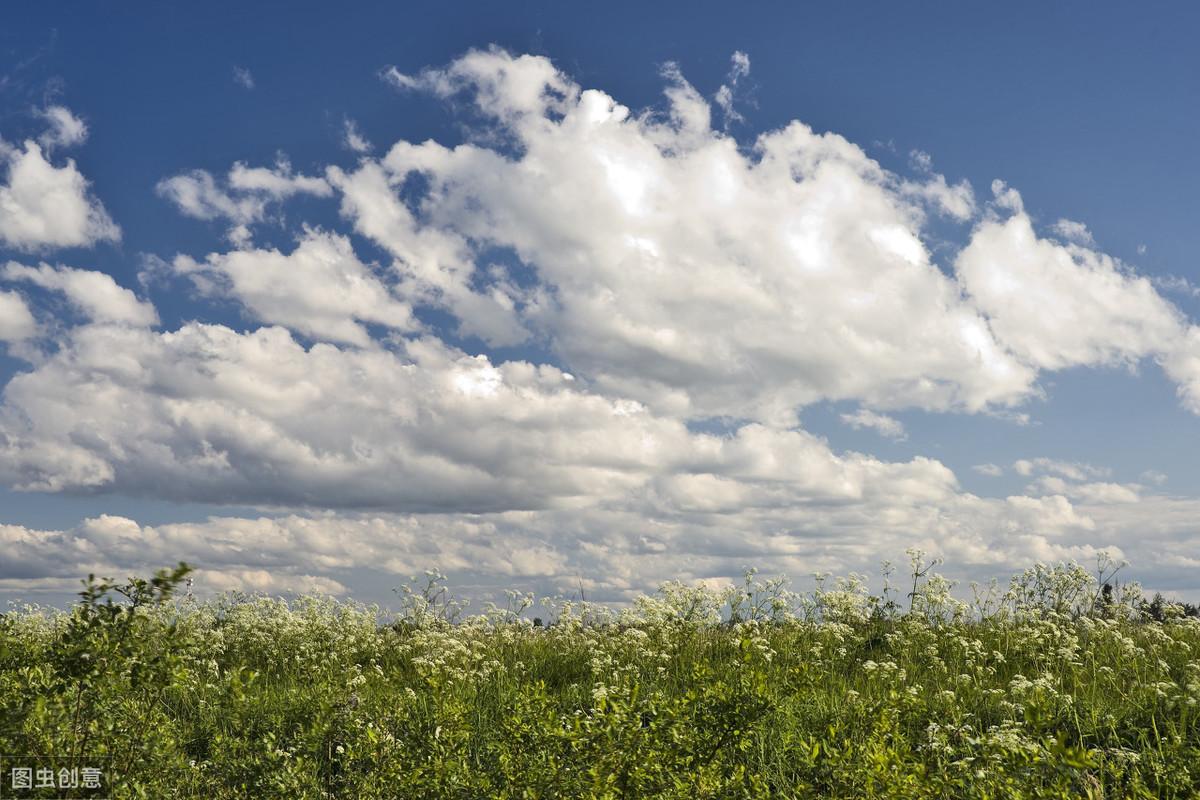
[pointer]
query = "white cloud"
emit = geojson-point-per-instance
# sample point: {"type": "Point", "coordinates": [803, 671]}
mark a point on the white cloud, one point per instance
{"type": "Point", "coordinates": [1074, 232]}
{"type": "Point", "coordinates": [957, 201]}
{"type": "Point", "coordinates": [516, 470]}
{"type": "Point", "coordinates": [243, 78]}
{"type": "Point", "coordinates": [1072, 470]}
{"type": "Point", "coordinates": [243, 198]}
{"type": "Point", "coordinates": [320, 289]}
{"type": "Point", "coordinates": [1007, 198]}
{"type": "Point", "coordinates": [212, 415]}
{"type": "Point", "coordinates": [95, 294]}
{"type": "Point", "coordinates": [209, 415]}
{"type": "Point", "coordinates": [990, 470]}
{"type": "Point", "coordinates": [1175, 284]}
{"type": "Point", "coordinates": [1103, 493]}
{"type": "Point", "coordinates": [1057, 306]}
{"type": "Point", "coordinates": [260, 581]}
{"type": "Point", "coordinates": [66, 129]}
{"type": "Point", "coordinates": [353, 138]}
{"type": "Point", "coordinates": [517, 89]}
{"type": "Point", "coordinates": [279, 553]}
{"type": "Point", "coordinates": [1062, 305]}
{"type": "Point", "coordinates": [433, 266]}
{"type": "Point", "coordinates": [277, 184]}
{"type": "Point", "coordinates": [1076, 481]}
{"type": "Point", "coordinates": [630, 546]}
{"type": "Point", "coordinates": [43, 206]}
{"type": "Point", "coordinates": [671, 267]}
{"type": "Point", "coordinates": [1182, 365]}
{"type": "Point", "coordinates": [887, 426]}
{"type": "Point", "coordinates": [16, 321]}
{"type": "Point", "coordinates": [675, 268]}
{"type": "Point", "coordinates": [739, 68]}
{"type": "Point", "coordinates": [1095, 493]}
{"type": "Point", "coordinates": [677, 275]}
{"type": "Point", "coordinates": [920, 160]}
{"type": "Point", "coordinates": [197, 195]}
{"type": "Point", "coordinates": [1154, 476]}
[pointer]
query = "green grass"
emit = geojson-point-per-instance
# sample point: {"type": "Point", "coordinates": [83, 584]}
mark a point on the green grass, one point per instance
{"type": "Point", "coordinates": [1048, 689]}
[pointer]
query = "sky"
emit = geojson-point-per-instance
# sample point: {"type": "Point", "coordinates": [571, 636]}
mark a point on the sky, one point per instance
{"type": "Point", "coordinates": [563, 297]}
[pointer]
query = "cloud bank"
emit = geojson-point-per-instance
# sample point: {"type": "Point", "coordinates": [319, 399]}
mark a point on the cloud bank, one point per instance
{"type": "Point", "coordinates": [672, 277]}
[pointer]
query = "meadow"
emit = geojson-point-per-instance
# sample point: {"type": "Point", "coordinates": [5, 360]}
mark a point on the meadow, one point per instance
{"type": "Point", "coordinates": [1060, 684]}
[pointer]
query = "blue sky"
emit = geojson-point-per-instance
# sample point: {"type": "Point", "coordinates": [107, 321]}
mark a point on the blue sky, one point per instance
{"type": "Point", "coordinates": [784, 430]}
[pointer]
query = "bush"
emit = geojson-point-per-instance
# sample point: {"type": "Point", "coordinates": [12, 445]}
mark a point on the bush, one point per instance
{"type": "Point", "coordinates": [1055, 687]}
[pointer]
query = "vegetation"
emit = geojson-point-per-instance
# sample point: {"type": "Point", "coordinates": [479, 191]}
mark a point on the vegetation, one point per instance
{"type": "Point", "coordinates": [1061, 685]}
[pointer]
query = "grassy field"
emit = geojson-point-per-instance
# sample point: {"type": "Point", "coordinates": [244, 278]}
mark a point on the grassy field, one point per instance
{"type": "Point", "coordinates": [1051, 687]}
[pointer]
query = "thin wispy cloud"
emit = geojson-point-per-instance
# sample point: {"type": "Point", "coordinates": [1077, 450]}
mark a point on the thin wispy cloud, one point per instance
{"type": "Point", "coordinates": [243, 78]}
{"type": "Point", "coordinates": [883, 424]}
{"type": "Point", "coordinates": [353, 139]}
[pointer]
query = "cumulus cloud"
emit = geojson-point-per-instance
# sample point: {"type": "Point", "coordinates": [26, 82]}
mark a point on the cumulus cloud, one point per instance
{"type": "Point", "coordinates": [243, 198]}
{"type": "Point", "coordinates": [433, 267]}
{"type": "Point", "coordinates": [512, 470]}
{"type": "Point", "coordinates": [1103, 493]}
{"type": "Point", "coordinates": [43, 206]}
{"type": "Point", "coordinates": [1074, 232]}
{"type": "Point", "coordinates": [320, 289]}
{"type": "Point", "coordinates": [519, 90]}
{"type": "Point", "coordinates": [887, 426]}
{"type": "Point", "coordinates": [208, 414]}
{"type": "Point", "coordinates": [1075, 480]}
{"type": "Point", "coordinates": [675, 267]}
{"type": "Point", "coordinates": [990, 470]}
{"type": "Point", "coordinates": [1060, 305]}
{"type": "Point", "coordinates": [956, 201]}
{"type": "Point", "coordinates": [94, 294]}
{"type": "Point", "coordinates": [16, 321]}
{"type": "Point", "coordinates": [673, 275]}
{"type": "Point", "coordinates": [625, 547]}
{"type": "Point", "coordinates": [274, 554]}
{"type": "Point", "coordinates": [671, 266]}
{"type": "Point", "coordinates": [1182, 365]}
